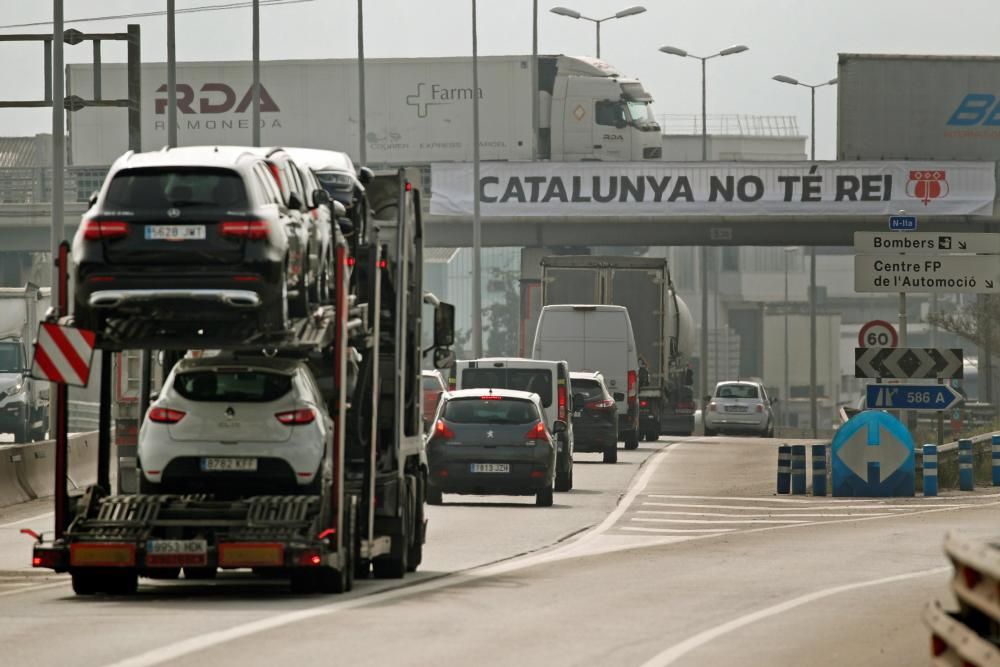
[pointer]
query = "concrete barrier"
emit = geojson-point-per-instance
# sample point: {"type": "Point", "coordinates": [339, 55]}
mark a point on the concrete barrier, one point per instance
{"type": "Point", "coordinates": [28, 471]}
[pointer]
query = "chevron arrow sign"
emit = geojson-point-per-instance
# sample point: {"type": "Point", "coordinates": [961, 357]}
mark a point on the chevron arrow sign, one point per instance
{"type": "Point", "coordinates": [908, 363]}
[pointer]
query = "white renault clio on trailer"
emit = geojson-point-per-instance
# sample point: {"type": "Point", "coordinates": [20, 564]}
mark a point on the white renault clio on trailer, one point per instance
{"type": "Point", "coordinates": [596, 338]}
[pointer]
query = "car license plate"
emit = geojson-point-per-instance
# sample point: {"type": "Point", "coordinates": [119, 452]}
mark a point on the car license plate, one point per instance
{"type": "Point", "coordinates": [229, 465]}
{"type": "Point", "coordinates": [175, 232]}
{"type": "Point", "coordinates": [736, 408]}
{"type": "Point", "coordinates": [175, 553]}
{"type": "Point", "coordinates": [490, 467]}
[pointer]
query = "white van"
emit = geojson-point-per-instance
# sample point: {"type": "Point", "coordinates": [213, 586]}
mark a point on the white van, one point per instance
{"type": "Point", "coordinates": [548, 379]}
{"type": "Point", "coordinates": [596, 338]}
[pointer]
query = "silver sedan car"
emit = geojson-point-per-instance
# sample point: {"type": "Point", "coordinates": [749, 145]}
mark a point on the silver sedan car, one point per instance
{"type": "Point", "coordinates": [237, 427]}
{"type": "Point", "coordinates": [740, 407]}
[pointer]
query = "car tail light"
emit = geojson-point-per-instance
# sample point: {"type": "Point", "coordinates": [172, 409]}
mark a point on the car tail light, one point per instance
{"type": "Point", "coordinates": [276, 173]}
{"type": "Point", "coordinates": [165, 415]}
{"type": "Point", "coordinates": [536, 433]}
{"type": "Point", "coordinates": [442, 431]}
{"type": "Point", "coordinates": [643, 404]}
{"type": "Point", "coordinates": [562, 402]}
{"type": "Point", "coordinates": [491, 397]}
{"type": "Point", "coordinates": [712, 407]}
{"type": "Point", "coordinates": [686, 405]}
{"type": "Point", "coordinates": [601, 404]}
{"type": "Point", "coordinates": [95, 230]}
{"type": "Point", "coordinates": [244, 229]}
{"type": "Point", "coordinates": [760, 408]}
{"type": "Point", "coordinates": [631, 386]}
{"type": "Point", "coordinates": [938, 646]}
{"type": "Point", "coordinates": [296, 417]}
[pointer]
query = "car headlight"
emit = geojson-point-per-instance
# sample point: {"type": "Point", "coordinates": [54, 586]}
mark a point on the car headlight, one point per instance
{"type": "Point", "coordinates": [15, 388]}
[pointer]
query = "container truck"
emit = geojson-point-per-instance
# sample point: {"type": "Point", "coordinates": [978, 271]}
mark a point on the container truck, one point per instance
{"type": "Point", "coordinates": [662, 325]}
{"type": "Point", "coordinates": [24, 401]}
{"type": "Point", "coordinates": [368, 515]}
{"type": "Point", "coordinates": [418, 109]}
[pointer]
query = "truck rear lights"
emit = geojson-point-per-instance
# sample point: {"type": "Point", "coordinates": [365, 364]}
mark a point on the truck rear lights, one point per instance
{"type": "Point", "coordinates": [442, 431]}
{"type": "Point", "coordinates": [251, 554]}
{"type": "Point", "coordinates": [296, 417]}
{"type": "Point", "coordinates": [310, 558]}
{"type": "Point", "coordinates": [632, 377]}
{"type": "Point", "coordinates": [562, 402]}
{"type": "Point", "coordinates": [643, 404]}
{"type": "Point", "coordinates": [602, 404]}
{"type": "Point", "coordinates": [537, 474]}
{"type": "Point", "coordinates": [102, 554]}
{"type": "Point", "coordinates": [165, 415]}
{"type": "Point", "coordinates": [53, 559]}
{"type": "Point", "coordinates": [246, 279]}
{"type": "Point", "coordinates": [95, 230]}
{"type": "Point", "coordinates": [536, 433]}
{"type": "Point", "coordinates": [252, 230]}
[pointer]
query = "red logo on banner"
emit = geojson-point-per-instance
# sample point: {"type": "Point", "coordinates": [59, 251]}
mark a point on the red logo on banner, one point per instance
{"type": "Point", "coordinates": [63, 354]}
{"type": "Point", "coordinates": [927, 185]}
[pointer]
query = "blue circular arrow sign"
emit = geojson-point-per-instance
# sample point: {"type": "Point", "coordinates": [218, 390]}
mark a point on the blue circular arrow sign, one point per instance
{"type": "Point", "coordinates": [873, 457]}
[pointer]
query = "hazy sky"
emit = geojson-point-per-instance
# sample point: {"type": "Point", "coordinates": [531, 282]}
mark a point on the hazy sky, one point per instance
{"type": "Point", "coordinates": [799, 38]}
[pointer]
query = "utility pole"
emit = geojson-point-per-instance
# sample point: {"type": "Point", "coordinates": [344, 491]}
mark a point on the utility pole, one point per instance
{"type": "Point", "coordinates": [362, 124]}
{"type": "Point", "coordinates": [256, 72]}
{"type": "Point", "coordinates": [171, 77]}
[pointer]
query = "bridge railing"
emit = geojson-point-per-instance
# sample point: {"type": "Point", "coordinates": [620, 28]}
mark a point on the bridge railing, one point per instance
{"type": "Point", "coordinates": [33, 185]}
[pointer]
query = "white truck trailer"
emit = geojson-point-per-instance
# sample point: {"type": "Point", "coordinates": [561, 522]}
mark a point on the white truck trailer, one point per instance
{"type": "Point", "coordinates": [24, 401]}
{"type": "Point", "coordinates": [419, 110]}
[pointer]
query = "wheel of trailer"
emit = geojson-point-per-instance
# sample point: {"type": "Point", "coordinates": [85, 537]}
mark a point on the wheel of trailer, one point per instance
{"type": "Point", "coordinates": [631, 440]}
{"type": "Point", "coordinates": [611, 454]}
{"type": "Point", "coordinates": [544, 497]}
{"type": "Point", "coordinates": [564, 476]}
{"type": "Point", "coordinates": [394, 565]}
{"type": "Point", "coordinates": [87, 583]}
{"type": "Point", "coordinates": [434, 496]}
{"type": "Point", "coordinates": [200, 573]}
{"type": "Point", "coordinates": [416, 555]}
{"type": "Point", "coordinates": [124, 582]}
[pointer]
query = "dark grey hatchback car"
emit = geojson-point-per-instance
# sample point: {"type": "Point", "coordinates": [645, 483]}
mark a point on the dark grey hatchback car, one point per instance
{"type": "Point", "coordinates": [491, 441]}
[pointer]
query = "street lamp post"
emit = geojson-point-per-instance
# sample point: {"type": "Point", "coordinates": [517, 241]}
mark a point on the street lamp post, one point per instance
{"type": "Point", "coordinates": [813, 408]}
{"type": "Point", "coordinates": [573, 14]}
{"type": "Point", "coordinates": [703, 351]}
{"type": "Point", "coordinates": [477, 233]}
{"type": "Point", "coordinates": [787, 385]}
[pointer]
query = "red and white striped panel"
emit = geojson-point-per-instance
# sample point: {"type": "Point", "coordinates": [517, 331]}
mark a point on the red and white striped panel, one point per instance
{"type": "Point", "coordinates": [63, 354]}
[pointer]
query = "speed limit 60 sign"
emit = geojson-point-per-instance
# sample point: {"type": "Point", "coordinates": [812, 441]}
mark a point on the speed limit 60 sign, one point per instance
{"type": "Point", "coordinates": [878, 333]}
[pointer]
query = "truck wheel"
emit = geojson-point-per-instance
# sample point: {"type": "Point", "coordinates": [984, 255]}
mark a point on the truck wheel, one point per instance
{"type": "Point", "coordinates": [416, 554]}
{"type": "Point", "coordinates": [125, 582]}
{"type": "Point", "coordinates": [434, 496]}
{"type": "Point", "coordinates": [709, 432]}
{"type": "Point", "coordinates": [564, 478]}
{"type": "Point", "coordinates": [304, 581]}
{"type": "Point", "coordinates": [631, 440]}
{"type": "Point", "coordinates": [611, 454]}
{"type": "Point", "coordinates": [87, 583]}
{"type": "Point", "coordinates": [544, 497]}
{"type": "Point", "coordinates": [394, 565]}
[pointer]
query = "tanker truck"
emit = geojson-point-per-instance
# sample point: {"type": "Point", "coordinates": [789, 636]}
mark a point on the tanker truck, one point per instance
{"type": "Point", "coordinates": [662, 325]}
{"type": "Point", "coordinates": [418, 110]}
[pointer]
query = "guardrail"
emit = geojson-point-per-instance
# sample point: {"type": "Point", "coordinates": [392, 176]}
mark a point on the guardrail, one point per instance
{"type": "Point", "coordinates": [27, 471]}
{"type": "Point", "coordinates": [969, 635]}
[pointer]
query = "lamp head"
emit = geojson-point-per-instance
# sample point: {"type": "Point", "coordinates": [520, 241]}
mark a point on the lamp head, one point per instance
{"type": "Point", "coordinates": [630, 11]}
{"type": "Point", "coordinates": [738, 48]}
{"type": "Point", "coordinates": [674, 51]}
{"type": "Point", "coordinates": [565, 11]}
{"type": "Point", "coordinates": [781, 78]}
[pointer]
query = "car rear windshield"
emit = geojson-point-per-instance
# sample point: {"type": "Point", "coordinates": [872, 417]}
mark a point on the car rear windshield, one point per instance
{"type": "Point", "coordinates": [490, 411]}
{"type": "Point", "coordinates": [589, 388]}
{"type": "Point", "coordinates": [176, 188]}
{"type": "Point", "coordinates": [535, 380]}
{"type": "Point", "coordinates": [244, 386]}
{"type": "Point", "coordinates": [737, 391]}
{"type": "Point", "coordinates": [430, 384]}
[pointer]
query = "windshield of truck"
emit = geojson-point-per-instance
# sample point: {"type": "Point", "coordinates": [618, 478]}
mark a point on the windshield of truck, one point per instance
{"type": "Point", "coordinates": [642, 115]}
{"type": "Point", "coordinates": [175, 188]}
{"type": "Point", "coordinates": [249, 386]}
{"type": "Point", "coordinates": [736, 391]}
{"type": "Point", "coordinates": [494, 410]}
{"type": "Point", "coordinates": [10, 358]}
{"type": "Point", "coordinates": [535, 380]}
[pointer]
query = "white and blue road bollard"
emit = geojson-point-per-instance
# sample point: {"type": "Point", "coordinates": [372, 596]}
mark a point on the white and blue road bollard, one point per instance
{"type": "Point", "coordinates": [930, 470]}
{"type": "Point", "coordinates": [819, 469]}
{"type": "Point", "coordinates": [798, 470]}
{"type": "Point", "coordinates": [966, 475]}
{"type": "Point", "coordinates": [784, 468]}
{"type": "Point", "coordinates": [996, 459]}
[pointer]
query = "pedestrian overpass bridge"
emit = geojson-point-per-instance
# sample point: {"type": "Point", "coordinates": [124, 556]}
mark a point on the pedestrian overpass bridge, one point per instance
{"type": "Point", "coordinates": [543, 204]}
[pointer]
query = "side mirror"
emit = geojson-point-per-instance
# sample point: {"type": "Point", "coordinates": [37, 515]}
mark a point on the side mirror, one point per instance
{"type": "Point", "coordinates": [321, 197]}
{"type": "Point", "coordinates": [444, 325]}
{"type": "Point", "coordinates": [365, 175]}
{"type": "Point", "coordinates": [294, 202]}
{"type": "Point", "coordinates": [443, 358]}
{"type": "Point", "coordinates": [558, 426]}
{"type": "Point", "coordinates": [618, 396]}
{"type": "Point", "coordinates": [92, 199]}
{"type": "Point", "coordinates": [153, 395]}
{"type": "Point", "coordinates": [339, 210]}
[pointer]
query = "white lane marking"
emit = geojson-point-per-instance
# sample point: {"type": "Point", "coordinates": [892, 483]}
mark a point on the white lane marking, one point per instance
{"type": "Point", "coordinates": [672, 654]}
{"type": "Point", "coordinates": [812, 500]}
{"type": "Point", "coordinates": [640, 529]}
{"type": "Point", "coordinates": [738, 521]}
{"type": "Point", "coordinates": [796, 509]}
{"type": "Point", "coordinates": [761, 516]}
{"type": "Point", "coordinates": [29, 589]}
{"type": "Point", "coordinates": [208, 640]}
{"type": "Point", "coordinates": [30, 518]}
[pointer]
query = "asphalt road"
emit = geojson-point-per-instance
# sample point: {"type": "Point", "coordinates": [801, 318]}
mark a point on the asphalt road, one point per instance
{"type": "Point", "coordinates": [688, 560]}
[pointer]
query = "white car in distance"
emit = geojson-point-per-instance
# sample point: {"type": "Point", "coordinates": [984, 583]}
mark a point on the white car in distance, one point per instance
{"type": "Point", "coordinates": [739, 407]}
{"type": "Point", "coordinates": [235, 427]}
